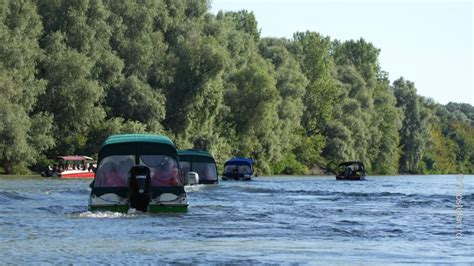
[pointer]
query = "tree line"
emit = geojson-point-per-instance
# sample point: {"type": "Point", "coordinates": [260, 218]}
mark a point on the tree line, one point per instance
{"type": "Point", "coordinates": [74, 72]}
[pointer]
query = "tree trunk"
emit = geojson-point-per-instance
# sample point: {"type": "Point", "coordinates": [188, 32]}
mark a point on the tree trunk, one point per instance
{"type": "Point", "coordinates": [8, 167]}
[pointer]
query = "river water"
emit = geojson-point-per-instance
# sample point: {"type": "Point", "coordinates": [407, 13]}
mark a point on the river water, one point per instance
{"type": "Point", "coordinates": [308, 220]}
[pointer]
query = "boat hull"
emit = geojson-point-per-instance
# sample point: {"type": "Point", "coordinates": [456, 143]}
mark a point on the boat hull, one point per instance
{"type": "Point", "coordinates": [354, 178]}
{"type": "Point", "coordinates": [225, 178]}
{"type": "Point", "coordinates": [164, 200]}
{"type": "Point", "coordinates": [152, 208]}
{"type": "Point", "coordinates": [76, 175]}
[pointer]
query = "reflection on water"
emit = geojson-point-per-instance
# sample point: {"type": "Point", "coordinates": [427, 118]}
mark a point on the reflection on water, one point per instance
{"type": "Point", "coordinates": [272, 220]}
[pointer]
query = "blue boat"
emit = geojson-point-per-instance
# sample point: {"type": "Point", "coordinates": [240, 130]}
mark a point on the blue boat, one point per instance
{"type": "Point", "coordinates": [238, 168]}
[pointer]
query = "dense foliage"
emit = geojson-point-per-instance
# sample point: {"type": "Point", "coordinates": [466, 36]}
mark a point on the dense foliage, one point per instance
{"type": "Point", "coordinates": [74, 72]}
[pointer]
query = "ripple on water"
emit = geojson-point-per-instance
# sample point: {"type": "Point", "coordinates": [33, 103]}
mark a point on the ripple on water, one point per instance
{"type": "Point", "coordinates": [8, 196]}
{"type": "Point", "coordinates": [281, 220]}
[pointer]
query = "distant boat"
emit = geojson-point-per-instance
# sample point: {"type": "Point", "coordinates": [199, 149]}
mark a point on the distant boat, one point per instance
{"type": "Point", "coordinates": [353, 170]}
{"type": "Point", "coordinates": [238, 168]}
{"type": "Point", "coordinates": [199, 165]}
{"type": "Point", "coordinates": [71, 166]}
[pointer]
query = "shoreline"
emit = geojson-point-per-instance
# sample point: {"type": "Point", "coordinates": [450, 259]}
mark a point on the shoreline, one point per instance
{"type": "Point", "coordinates": [38, 176]}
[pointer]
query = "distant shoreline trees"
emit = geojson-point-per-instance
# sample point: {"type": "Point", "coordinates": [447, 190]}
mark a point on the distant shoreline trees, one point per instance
{"type": "Point", "coordinates": [74, 72]}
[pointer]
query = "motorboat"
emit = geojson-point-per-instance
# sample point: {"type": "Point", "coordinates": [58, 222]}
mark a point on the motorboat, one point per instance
{"type": "Point", "coordinates": [138, 171]}
{"type": "Point", "coordinates": [238, 168]}
{"type": "Point", "coordinates": [71, 167]}
{"type": "Point", "coordinates": [353, 170]}
{"type": "Point", "coordinates": [198, 166]}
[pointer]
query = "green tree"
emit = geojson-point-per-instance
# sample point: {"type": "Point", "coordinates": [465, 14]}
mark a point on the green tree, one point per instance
{"type": "Point", "coordinates": [135, 100]}
{"type": "Point", "coordinates": [291, 83]}
{"type": "Point", "coordinates": [253, 100]}
{"type": "Point", "coordinates": [86, 27]}
{"type": "Point", "coordinates": [72, 95]}
{"type": "Point", "coordinates": [24, 134]}
{"type": "Point", "coordinates": [243, 21]}
{"type": "Point", "coordinates": [412, 131]}
{"type": "Point", "coordinates": [384, 144]}
{"type": "Point", "coordinates": [313, 52]}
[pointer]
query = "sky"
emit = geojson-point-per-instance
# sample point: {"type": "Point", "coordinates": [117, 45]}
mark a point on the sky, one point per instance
{"type": "Point", "coordinates": [427, 42]}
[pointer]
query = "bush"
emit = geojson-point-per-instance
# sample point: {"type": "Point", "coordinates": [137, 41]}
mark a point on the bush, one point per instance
{"type": "Point", "coordinates": [289, 165]}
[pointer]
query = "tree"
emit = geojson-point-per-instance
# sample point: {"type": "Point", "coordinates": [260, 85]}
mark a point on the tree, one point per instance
{"type": "Point", "coordinates": [411, 133]}
{"type": "Point", "coordinates": [24, 134]}
{"type": "Point", "coordinates": [291, 83]}
{"type": "Point", "coordinates": [253, 100]}
{"type": "Point", "coordinates": [243, 21]}
{"type": "Point", "coordinates": [135, 100]}
{"type": "Point", "coordinates": [81, 70]}
{"type": "Point", "coordinates": [72, 95]}
{"type": "Point", "coordinates": [313, 53]}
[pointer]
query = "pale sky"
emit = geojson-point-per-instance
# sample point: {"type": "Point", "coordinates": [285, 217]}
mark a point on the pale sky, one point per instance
{"type": "Point", "coordinates": [427, 42]}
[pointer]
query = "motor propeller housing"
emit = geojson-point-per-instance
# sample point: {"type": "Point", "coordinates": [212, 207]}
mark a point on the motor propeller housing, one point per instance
{"type": "Point", "coordinates": [139, 188]}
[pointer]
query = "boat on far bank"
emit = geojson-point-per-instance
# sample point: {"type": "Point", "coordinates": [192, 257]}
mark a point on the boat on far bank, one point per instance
{"type": "Point", "coordinates": [71, 167]}
{"type": "Point", "coordinates": [352, 170]}
{"type": "Point", "coordinates": [238, 168]}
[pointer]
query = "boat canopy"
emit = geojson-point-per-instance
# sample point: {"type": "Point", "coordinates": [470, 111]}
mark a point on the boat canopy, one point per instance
{"type": "Point", "coordinates": [75, 158]}
{"type": "Point", "coordinates": [195, 156]}
{"type": "Point", "coordinates": [137, 144]}
{"type": "Point", "coordinates": [353, 165]}
{"type": "Point", "coordinates": [239, 161]}
{"type": "Point", "coordinates": [120, 153]}
{"type": "Point", "coordinates": [198, 161]}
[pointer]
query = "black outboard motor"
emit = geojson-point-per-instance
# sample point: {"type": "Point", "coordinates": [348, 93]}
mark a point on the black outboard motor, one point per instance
{"type": "Point", "coordinates": [139, 188]}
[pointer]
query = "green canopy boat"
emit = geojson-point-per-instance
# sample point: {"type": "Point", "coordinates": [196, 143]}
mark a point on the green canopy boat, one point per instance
{"type": "Point", "coordinates": [199, 163]}
{"type": "Point", "coordinates": [138, 171]}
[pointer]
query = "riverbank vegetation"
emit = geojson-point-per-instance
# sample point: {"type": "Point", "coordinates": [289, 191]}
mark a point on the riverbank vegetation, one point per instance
{"type": "Point", "coordinates": [74, 72]}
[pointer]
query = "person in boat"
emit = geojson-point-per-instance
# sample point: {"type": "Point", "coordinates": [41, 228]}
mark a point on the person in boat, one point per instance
{"type": "Point", "coordinates": [347, 171]}
{"type": "Point", "coordinates": [91, 167]}
{"type": "Point", "coordinates": [244, 169]}
{"type": "Point", "coordinates": [55, 168]}
{"type": "Point", "coordinates": [115, 177]}
{"type": "Point", "coordinates": [165, 174]}
{"type": "Point", "coordinates": [235, 173]}
{"type": "Point", "coordinates": [116, 172]}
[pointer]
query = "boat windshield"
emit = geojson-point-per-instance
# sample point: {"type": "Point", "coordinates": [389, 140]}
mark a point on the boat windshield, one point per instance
{"type": "Point", "coordinates": [164, 170]}
{"type": "Point", "coordinates": [351, 167]}
{"type": "Point", "coordinates": [206, 171]}
{"type": "Point", "coordinates": [241, 169]}
{"type": "Point", "coordinates": [113, 171]}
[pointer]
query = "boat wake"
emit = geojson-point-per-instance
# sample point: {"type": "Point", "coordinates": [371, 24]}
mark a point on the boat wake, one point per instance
{"type": "Point", "coordinates": [200, 187]}
{"type": "Point", "coordinates": [109, 215]}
